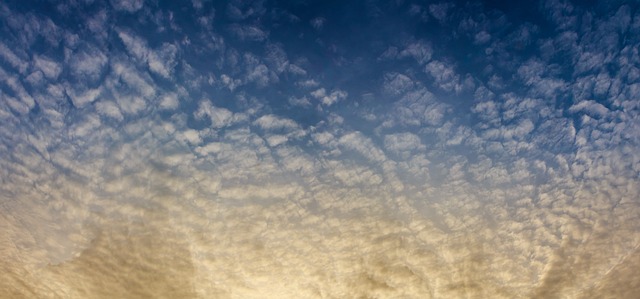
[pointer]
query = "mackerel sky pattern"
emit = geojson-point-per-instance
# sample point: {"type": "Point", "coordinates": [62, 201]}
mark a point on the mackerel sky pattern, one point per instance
{"type": "Point", "coordinates": [319, 149]}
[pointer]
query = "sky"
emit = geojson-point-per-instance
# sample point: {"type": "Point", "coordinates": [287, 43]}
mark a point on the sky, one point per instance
{"type": "Point", "coordinates": [319, 149]}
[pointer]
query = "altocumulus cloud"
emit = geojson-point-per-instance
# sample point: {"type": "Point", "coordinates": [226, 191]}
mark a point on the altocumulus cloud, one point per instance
{"type": "Point", "coordinates": [250, 149]}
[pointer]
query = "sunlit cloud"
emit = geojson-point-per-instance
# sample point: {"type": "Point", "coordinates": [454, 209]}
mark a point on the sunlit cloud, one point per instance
{"type": "Point", "coordinates": [249, 149]}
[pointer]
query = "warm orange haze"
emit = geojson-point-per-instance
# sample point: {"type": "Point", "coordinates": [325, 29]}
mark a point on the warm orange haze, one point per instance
{"type": "Point", "coordinates": [314, 149]}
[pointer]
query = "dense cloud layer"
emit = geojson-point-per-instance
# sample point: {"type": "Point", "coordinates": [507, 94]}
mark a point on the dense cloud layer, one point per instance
{"type": "Point", "coordinates": [250, 150]}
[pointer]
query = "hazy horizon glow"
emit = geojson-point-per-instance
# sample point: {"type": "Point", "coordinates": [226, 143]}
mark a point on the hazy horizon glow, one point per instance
{"type": "Point", "coordinates": [306, 149]}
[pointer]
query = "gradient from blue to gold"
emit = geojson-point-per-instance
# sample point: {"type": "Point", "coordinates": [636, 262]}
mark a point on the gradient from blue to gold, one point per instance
{"type": "Point", "coordinates": [313, 149]}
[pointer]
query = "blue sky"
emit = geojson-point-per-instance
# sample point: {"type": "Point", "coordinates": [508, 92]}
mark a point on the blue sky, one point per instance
{"type": "Point", "coordinates": [320, 149]}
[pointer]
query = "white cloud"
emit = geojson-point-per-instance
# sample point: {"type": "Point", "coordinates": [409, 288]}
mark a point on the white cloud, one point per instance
{"type": "Point", "coordinates": [389, 53]}
{"type": "Point", "coordinates": [397, 84]}
{"type": "Point", "coordinates": [302, 101]}
{"type": "Point", "coordinates": [248, 32]}
{"type": "Point", "coordinates": [17, 105]}
{"type": "Point", "coordinates": [589, 61]}
{"type": "Point", "coordinates": [272, 122]}
{"type": "Point", "coordinates": [127, 5]}
{"type": "Point", "coordinates": [323, 138]}
{"type": "Point", "coordinates": [516, 131]}
{"type": "Point", "coordinates": [131, 104]}
{"type": "Point", "coordinates": [279, 130]}
{"type": "Point", "coordinates": [229, 82]}
{"type": "Point", "coordinates": [169, 101]}
{"type": "Point", "coordinates": [444, 75]}
{"type": "Point", "coordinates": [241, 10]}
{"type": "Point", "coordinates": [329, 99]}
{"type": "Point", "coordinates": [358, 142]}
{"type": "Point", "coordinates": [18, 89]}
{"type": "Point", "coordinates": [88, 63]}
{"type": "Point", "coordinates": [97, 24]}
{"type": "Point", "coordinates": [487, 110]}
{"type": "Point", "coordinates": [49, 68]}
{"type": "Point", "coordinates": [82, 98]}
{"type": "Point", "coordinates": [440, 10]}
{"type": "Point", "coordinates": [219, 117]}
{"type": "Point", "coordinates": [192, 136]}
{"type": "Point", "coordinates": [110, 109]}
{"type": "Point", "coordinates": [161, 61]}
{"type": "Point", "coordinates": [403, 143]}
{"type": "Point", "coordinates": [261, 75]}
{"type": "Point", "coordinates": [419, 107]}
{"type": "Point", "coordinates": [310, 83]}
{"type": "Point", "coordinates": [275, 140]}
{"type": "Point", "coordinates": [133, 79]}
{"type": "Point", "coordinates": [12, 58]}
{"type": "Point", "coordinates": [482, 37]}
{"type": "Point", "coordinates": [531, 71]}
{"type": "Point", "coordinates": [420, 51]}
{"type": "Point", "coordinates": [296, 70]}
{"type": "Point", "coordinates": [277, 57]}
{"type": "Point", "coordinates": [318, 23]}
{"type": "Point", "coordinates": [591, 108]}
{"type": "Point", "coordinates": [561, 13]}
{"type": "Point", "coordinates": [206, 202]}
{"type": "Point", "coordinates": [35, 79]}
{"type": "Point", "coordinates": [197, 4]}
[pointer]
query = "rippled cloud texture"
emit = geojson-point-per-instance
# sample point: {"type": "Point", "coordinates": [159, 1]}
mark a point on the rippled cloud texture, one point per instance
{"type": "Point", "coordinates": [378, 149]}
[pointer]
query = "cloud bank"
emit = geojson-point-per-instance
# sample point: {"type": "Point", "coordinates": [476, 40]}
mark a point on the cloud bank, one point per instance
{"type": "Point", "coordinates": [252, 150]}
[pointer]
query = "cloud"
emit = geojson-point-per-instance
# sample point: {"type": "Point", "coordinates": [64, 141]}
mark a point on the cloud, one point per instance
{"type": "Point", "coordinates": [248, 32]}
{"type": "Point", "coordinates": [17, 89]}
{"type": "Point", "coordinates": [482, 37]}
{"type": "Point", "coordinates": [444, 75]}
{"type": "Point", "coordinates": [191, 136]}
{"type": "Point", "coordinates": [127, 5]}
{"type": "Point", "coordinates": [241, 10]}
{"type": "Point", "coordinates": [363, 145]}
{"type": "Point", "coordinates": [219, 117]}
{"type": "Point", "coordinates": [89, 63]}
{"type": "Point", "coordinates": [135, 166]}
{"type": "Point", "coordinates": [397, 84]}
{"type": "Point", "coordinates": [561, 13]}
{"type": "Point", "coordinates": [329, 99]}
{"type": "Point", "coordinates": [161, 61]}
{"type": "Point", "coordinates": [136, 81]}
{"type": "Point", "coordinates": [440, 10]}
{"type": "Point", "coordinates": [109, 109]}
{"type": "Point", "coordinates": [98, 23]}
{"type": "Point", "coordinates": [309, 83]}
{"type": "Point", "coordinates": [302, 102]}
{"type": "Point", "coordinates": [591, 108]}
{"type": "Point", "coordinates": [277, 57]}
{"type": "Point", "coordinates": [16, 105]}
{"type": "Point", "coordinates": [487, 111]}
{"type": "Point", "coordinates": [258, 72]}
{"type": "Point", "coordinates": [230, 82]}
{"type": "Point", "coordinates": [279, 130]}
{"type": "Point", "coordinates": [420, 51]}
{"type": "Point", "coordinates": [318, 23]}
{"type": "Point", "coordinates": [517, 131]}
{"type": "Point", "coordinates": [403, 143]}
{"type": "Point", "coordinates": [48, 67]}
{"type": "Point", "coordinates": [10, 57]}
{"type": "Point", "coordinates": [419, 107]}
{"type": "Point", "coordinates": [169, 101]}
{"type": "Point", "coordinates": [82, 98]}
{"type": "Point", "coordinates": [272, 122]}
